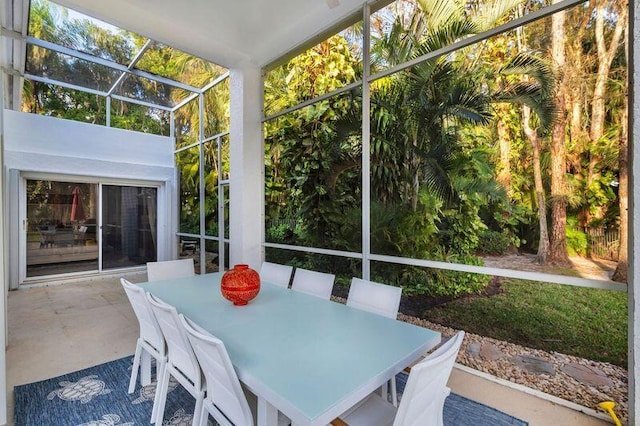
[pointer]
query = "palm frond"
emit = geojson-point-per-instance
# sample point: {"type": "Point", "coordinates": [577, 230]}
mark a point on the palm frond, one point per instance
{"type": "Point", "coordinates": [488, 15]}
{"type": "Point", "coordinates": [526, 64]}
{"type": "Point", "coordinates": [437, 13]}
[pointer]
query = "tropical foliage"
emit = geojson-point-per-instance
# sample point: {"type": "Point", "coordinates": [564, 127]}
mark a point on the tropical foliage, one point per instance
{"type": "Point", "coordinates": [455, 143]}
{"type": "Point", "coordinates": [464, 153]}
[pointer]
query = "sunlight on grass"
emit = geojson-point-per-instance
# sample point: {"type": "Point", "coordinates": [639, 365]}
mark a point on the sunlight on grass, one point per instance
{"type": "Point", "coordinates": [585, 322]}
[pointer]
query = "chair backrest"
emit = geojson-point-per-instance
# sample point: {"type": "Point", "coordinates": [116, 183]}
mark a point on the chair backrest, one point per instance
{"type": "Point", "coordinates": [373, 297]}
{"type": "Point", "coordinates": [317, 284]}
{"type": "Point", "coordinates": [168, 269]}
{"type": "Point", "coordinates": [275, 273]}
{"type": "Point", "coordinates": [223, 386]}
{"type": "Point", "coordinates": [180, 352]}
{"type": "Point", "coordinates": [424, 394]}
{"type": "Point", "coordinates": [149, 329]}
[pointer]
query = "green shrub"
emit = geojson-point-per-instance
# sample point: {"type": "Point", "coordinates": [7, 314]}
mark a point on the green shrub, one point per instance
{"type": "Point", "coordinates": [494, 242]}
{"type": "Point", "coordinates": [455, 283]}
{"type": "Point", "coordinates": [576, 242]}
{"type": "Point", "coordinates": [415, 280]}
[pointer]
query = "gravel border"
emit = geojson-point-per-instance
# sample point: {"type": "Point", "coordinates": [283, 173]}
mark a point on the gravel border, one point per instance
{"type": "Point", "coordinates": [559, 384]}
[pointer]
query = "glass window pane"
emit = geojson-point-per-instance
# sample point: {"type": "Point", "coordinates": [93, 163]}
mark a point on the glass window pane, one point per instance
{"type": "Point", "coordinates": [212, 256]}
{"type": "Point", "coordinates": [61, 234]}
{"type": "Point", "coordinates": [313, 175]}
{"type": "Point", "coordinates": [187, 121]}
{"type": "Point", "coordinates": [189, 248]}
{"type": "Point", "coordinates": [225, 150]}
{"type": "Point", "coordinates": [216, 107]}
{"type": "Point", "coordinates": [330, 65]}
{"type": "Point", "coordinates": [172, 63]}
{"type": "Point", "coordinates": [57, 101]}
{"type": "Point", "coordinates": [67, 69]}
{"type": "Point", "coordinates": [143, 89]}
{"type": "Point", "coordinates": [211, 172]}
{"type": "Point", "coordinates": [130, 116]}
{"type": "Point", "coordinates": [57, 24]}
{"type": "Point", "coordinates": [227, 207]}
{"type": "Point", "coordinates": [188, 166]}
{"type": "Point", "coordinates": [406, 29]}
{"type": "Point", "coordinates": [453, 177]}
{"type": "Point", "coordinates": [226, 256]}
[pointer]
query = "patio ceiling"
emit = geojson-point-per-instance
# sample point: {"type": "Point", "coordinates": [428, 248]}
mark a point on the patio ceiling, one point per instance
{"type": "Point", "coordinates": [229, 33]}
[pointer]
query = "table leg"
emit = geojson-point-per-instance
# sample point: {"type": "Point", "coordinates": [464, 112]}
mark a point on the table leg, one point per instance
{"type": "Point", "coordinates": [267, 413]}
{"type": "Point", "coordinates": [145, 368]}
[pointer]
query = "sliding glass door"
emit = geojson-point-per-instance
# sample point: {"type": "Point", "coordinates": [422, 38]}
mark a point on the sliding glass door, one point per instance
{"type": "Point", "coordinates": [76, 227]}
{"type": "Point", "coordinates": [61, 232]}
{"type": "Point", "coordinates": [129, 229]}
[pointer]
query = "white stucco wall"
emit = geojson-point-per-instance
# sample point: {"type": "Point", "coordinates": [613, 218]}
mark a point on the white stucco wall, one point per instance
{"type": "Point", "coordinates": [48, 144]}
{"type": "Point", "coordinates": [37, 144]}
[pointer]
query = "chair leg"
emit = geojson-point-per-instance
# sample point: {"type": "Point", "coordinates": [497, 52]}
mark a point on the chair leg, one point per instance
{"type": "Point", "coordinates": [162, 398]}
{"type": "Point", "coordinates": [135, 368]}
{"type": "Point", "coordinates": [440, 407]}
{"type": "Point", "coordinates": [145, 368]}
{"type": "Point", "coordinates": [160, 366]}
{"type": "Point", "coordinates": [197, 411]}
{"type": "Point", "coordinates": [204, 416]}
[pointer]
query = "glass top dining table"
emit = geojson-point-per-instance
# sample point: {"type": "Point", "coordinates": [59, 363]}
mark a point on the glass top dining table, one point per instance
{"type": "Point", "coordinates": [309, 358]}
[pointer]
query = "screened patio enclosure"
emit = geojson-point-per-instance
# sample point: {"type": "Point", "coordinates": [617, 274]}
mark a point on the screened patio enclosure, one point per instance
{"type": "Point", "coordinates": [83, 69]}
{"type": "Point", "coordinates": [224, 185]}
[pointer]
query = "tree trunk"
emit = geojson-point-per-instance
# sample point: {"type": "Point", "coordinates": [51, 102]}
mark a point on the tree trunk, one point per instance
{"type": "Point", "coordinates": [504, 141]}
{"type": "Point", "coordinates": [532, 136]}
{"type": "Point", "coordinates": [558, 240]}
{"type": "Point", "coordinates": [605, 58]}
{"type": "Point", "coordinates": [620, 274]}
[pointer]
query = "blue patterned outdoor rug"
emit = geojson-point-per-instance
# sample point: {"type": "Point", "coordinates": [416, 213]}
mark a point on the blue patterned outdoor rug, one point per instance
{"type": "Point", "coordinates": [97, 396]}
{"type": "Point", "coordinates": [460, 411]}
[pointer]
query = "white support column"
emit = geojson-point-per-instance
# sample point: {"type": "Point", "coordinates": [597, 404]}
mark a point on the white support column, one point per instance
{"type": "Point", "coordinates": [634, 208]}
{"type": "Point", "coordinates": [4, 257]}
{"type": "Point", "coordinates": [246, 184]}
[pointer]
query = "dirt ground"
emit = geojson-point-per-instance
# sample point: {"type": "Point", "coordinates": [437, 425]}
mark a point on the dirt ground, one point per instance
{"type": "Point", "coordinates": [596, 269]}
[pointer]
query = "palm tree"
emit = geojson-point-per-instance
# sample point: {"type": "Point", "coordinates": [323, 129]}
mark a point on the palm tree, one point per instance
{"type": "Point", "coordinates": [417, 113]}
{"type": "Point", "coordinates": [533, 89]}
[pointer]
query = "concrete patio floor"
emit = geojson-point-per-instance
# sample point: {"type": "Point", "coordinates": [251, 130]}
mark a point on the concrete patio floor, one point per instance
{"type": "Point", "coordinates": [58, 329]}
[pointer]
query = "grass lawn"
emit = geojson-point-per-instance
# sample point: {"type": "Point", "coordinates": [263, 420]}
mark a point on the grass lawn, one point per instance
{"type": "Point", "coordinates": [585, 322]}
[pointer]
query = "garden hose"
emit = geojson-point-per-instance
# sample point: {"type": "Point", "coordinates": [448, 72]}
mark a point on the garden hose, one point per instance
{"type": "Point", "coordinates": [608, 407]}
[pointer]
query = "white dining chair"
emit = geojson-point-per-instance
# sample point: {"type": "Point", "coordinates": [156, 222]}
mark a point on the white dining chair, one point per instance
{"type": "Point", "coordinates": [224, 400]}
{"type": "Point", "coordinates": [380, 299]}
{"type": "Point", "coordinates": [374, 297]}
{"type": "Point", "coordinates": [317, 284]}
{"type": "Point", "coordinates": [423, 398]}
{"type": "Point", "coordinates": [151, 341]}
{"type": "Point", "coordinates": [276, 273]}
{"type": "Point", "coordinates": [167, 269]}
{"type": "Point", "coordinates": [182, 363]}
